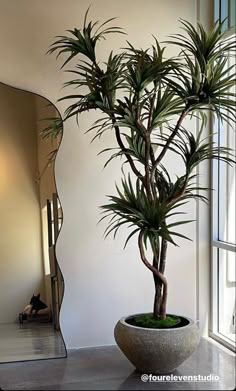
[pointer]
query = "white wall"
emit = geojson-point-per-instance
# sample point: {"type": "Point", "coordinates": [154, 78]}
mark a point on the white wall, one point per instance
{"type": "Point", "coordinates": [21, 267]}
{"type": "Point", "coordinates": [102, 282]}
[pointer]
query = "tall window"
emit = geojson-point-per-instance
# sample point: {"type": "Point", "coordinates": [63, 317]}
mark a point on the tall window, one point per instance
{"type": "Point", "coordinates": [226, 9]}
{"type": "Point", "coordinates": [224, 215]}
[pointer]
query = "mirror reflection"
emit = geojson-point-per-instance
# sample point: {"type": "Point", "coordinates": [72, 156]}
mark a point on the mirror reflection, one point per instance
{"type": "Point", "coordinates": [31, 283]}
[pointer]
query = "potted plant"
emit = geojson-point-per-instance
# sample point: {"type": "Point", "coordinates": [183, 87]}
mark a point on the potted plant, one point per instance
{"type": "Point", "coordinates": [148, 122]}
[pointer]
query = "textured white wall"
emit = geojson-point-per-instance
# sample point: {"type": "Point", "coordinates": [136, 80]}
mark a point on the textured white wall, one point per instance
{"type": "Point", "coordinates": [102, 281]}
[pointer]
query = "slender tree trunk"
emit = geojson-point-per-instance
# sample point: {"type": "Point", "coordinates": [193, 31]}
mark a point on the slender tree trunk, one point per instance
{"type": "Point", "coordinates": [159, 275]}
{"type": "Point", "coordinates": [163, 255]}
{"type": "Point", "coordinates": [158, 286]}
{"type": "Point", "coordinates": [159, 308]}
{"type": "Point", "coordinates": [161, 270]}
{"type": "Point", "coordinates": [157, 300]}
{"type": "Point", "coordinates": [156, 259]}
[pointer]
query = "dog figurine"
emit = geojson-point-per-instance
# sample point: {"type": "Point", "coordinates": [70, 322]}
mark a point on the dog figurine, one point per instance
{"type": "Point", "coordinates": [37, 304]}
{"type": "Point", "coordinates": [35, 307]}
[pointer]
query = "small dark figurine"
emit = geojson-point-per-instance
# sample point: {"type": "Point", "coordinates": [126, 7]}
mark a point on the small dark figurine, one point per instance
{"type": "Point", "coordinates": [37, 304]}
{"type": "Point", "coordinates": [36, 307]}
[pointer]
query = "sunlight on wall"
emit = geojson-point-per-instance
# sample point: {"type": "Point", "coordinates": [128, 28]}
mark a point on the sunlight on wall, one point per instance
{"type": "Point", "coordinates": [21, 268]}
{"type": "Point", "coordinates": [3, 169]}
{"type": "Point", "coordinates": [45, 240]}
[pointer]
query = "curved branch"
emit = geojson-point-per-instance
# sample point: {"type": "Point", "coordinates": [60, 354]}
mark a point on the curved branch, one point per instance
{"type": "Point", "coordinates": [173, 134]}
{"type": "Point", "coordinates": [122, 147]}
{"type": "Point", "coordinates": [151, 111]}
{"type": "Point", "coordinates": [152, 157]}
{"type": "Point", "coordinates": [118, 137]}
{"type": "Point", "coordinates": [181, 192]}
{"type": "Point", "coordinates": [156, 272]}
{"type": "Point", "coordinates": [147, 167]}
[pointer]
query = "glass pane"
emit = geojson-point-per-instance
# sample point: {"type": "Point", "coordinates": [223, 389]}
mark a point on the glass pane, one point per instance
{"type": "Point", "coordinates": [231, 188]}
{"type": "Point", "coordinates": [216, 9]}
{"type": "Point", "coordinates": [232, 13]}
{"type": "Point", "coordinates": [227, 183]}
{"type": "Point", "coordinates": [224, 13]}
{"type": "Point", "coordinates": [225, 9]}
{"type": "Point", "coordinates": [227, 196]}
{"type": "Point", "coordinates": [227, 294]}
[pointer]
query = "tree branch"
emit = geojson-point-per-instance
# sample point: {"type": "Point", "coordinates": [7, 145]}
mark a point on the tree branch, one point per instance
{"type": "Point", "coordinates": [118, 137]}
{"type": "Point", "coordinates": [173, 134]}
{"type": "Point", "coordinates": [152, 157]}
{"type": "Point", "coordinates": [146, 135]}
{"type": "Point", "coordinates": [147, 167]}
{"type": "Point", "coordinates": [182, 191]}
{"type": "Point", "coordinates": [124, 150]}
{"type": "Point", "coordinates": [151, 110]}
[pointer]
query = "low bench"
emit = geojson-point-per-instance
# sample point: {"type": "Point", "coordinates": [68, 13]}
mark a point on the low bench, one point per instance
{"type": "Point", "coordinates": [45, 317]}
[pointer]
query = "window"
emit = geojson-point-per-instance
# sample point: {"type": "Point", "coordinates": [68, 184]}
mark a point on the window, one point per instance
{"type": "Point", "coordinates": [224, 217]}
{"type": "Point", "coordinates": [226, 9]}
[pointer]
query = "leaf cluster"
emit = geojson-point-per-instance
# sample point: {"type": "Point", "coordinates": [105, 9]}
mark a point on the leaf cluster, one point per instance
{"type": "Point", "coordinates": [156, 94]}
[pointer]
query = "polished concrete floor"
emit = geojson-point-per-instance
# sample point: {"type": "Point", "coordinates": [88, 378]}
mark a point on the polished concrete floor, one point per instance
{"type": "Point", "coordinates": [106, 368]}
{"type": "Point", "coordinates": [30, 341]}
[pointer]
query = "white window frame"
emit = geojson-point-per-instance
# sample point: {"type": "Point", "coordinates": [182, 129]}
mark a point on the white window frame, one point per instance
{"type": "Point", "coordinates": [217, 244]}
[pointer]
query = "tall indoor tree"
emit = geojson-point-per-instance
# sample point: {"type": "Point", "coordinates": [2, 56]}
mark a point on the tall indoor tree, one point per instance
{"type": "Point", "coordinates": [148, 122]}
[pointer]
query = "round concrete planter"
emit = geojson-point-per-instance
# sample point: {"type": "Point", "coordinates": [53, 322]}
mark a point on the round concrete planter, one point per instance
{"type": "Point", "coordinates": [156, 351]}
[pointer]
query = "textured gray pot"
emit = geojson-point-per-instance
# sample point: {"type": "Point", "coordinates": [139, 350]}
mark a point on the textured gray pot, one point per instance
{"type": "Point", "coordinates": [156, 351]}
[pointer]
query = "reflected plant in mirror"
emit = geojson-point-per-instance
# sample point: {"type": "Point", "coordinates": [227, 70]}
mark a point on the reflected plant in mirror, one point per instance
{"type": "Point", "coordinates": [53, 132]}
{"type": "Point", "coordinates": [31, 282]}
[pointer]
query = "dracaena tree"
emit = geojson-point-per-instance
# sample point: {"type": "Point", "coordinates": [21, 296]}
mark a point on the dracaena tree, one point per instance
{"type": "Point", "coordinates": [148, 122]}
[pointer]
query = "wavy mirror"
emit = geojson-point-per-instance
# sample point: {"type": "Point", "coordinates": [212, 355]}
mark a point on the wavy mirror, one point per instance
{"type": "Point", "coordinates": [31, 283]}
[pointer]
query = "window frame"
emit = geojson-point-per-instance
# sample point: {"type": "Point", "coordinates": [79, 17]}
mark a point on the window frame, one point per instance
{"type": "Point", "coordinates": [216, 243]}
